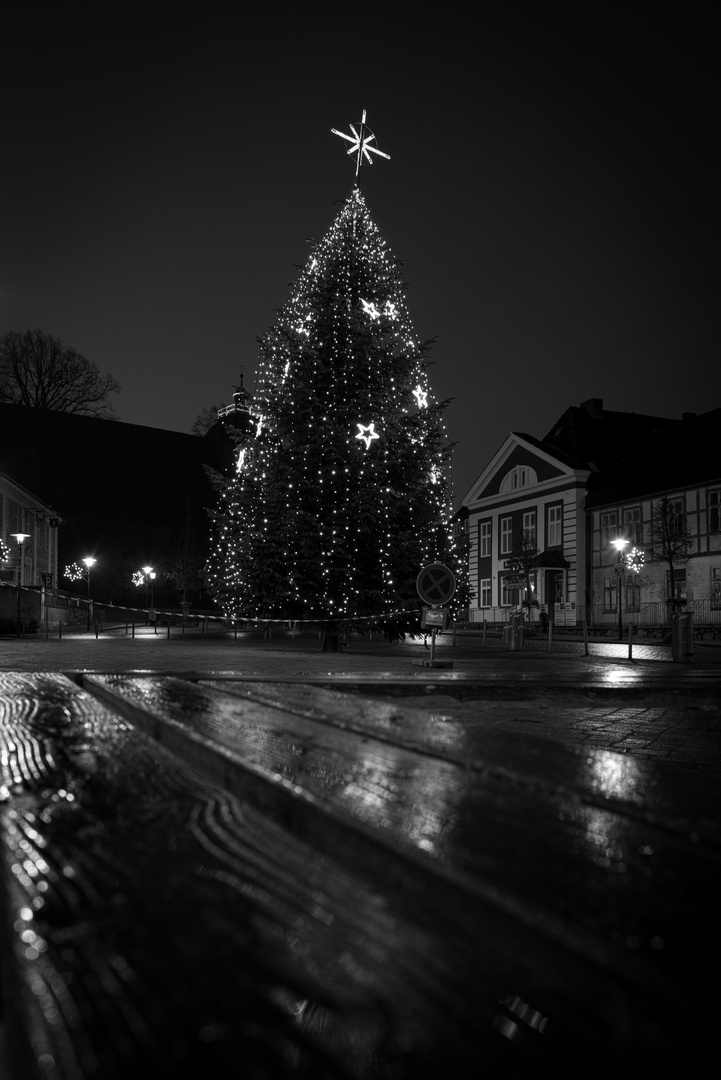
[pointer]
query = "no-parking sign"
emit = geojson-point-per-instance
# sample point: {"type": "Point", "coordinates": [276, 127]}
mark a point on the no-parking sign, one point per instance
{"type": "Point", "coordinates": [436, 584]}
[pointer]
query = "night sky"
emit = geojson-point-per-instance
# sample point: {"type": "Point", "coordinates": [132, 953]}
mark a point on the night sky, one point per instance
{"type": "Point", "coordinates": [552, 193]}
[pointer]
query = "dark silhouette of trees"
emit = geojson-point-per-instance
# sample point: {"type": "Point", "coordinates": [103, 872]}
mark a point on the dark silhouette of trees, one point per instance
{"type": "Point", "coordinates": [41, 371]}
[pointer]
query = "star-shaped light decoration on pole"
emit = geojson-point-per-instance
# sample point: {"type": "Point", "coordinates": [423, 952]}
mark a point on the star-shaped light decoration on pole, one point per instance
{"type": "Point", "coordinates": [367, 433]}
{"type": "Point", "coordinates": [361, 144]}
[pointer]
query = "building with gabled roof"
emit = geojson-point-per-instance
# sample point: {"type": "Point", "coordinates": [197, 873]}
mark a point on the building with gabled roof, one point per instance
{"type": "Point", "coordinates": [680, 462]}
{"type": "Point", "coordinates": [532, 494]}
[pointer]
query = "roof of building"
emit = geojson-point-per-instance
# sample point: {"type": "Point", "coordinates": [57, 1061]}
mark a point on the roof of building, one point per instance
{"type": "Point", "coordinates": [113, 484]}
{"type": "Point", "coordinates": [596, 438]}
{"type": "Point", "coordinates": [683, 454]}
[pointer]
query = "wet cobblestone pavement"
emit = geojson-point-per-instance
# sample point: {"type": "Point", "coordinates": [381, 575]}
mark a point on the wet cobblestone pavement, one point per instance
{"type": "Point", "coordinates": [237, 853]}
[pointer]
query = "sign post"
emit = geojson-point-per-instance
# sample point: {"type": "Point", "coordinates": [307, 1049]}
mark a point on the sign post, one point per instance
{"type": "Point", "coordinates": [436, 585]}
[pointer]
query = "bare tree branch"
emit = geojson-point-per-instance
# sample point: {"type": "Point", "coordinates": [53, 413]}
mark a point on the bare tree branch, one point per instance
{"type": "Point", "coordinates": [42, 372]}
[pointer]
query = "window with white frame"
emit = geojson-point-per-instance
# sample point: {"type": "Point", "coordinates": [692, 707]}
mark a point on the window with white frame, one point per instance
{"type": "Point", "coordinates": [519, 477]}
{"type": "Point", "coordinates": [506, 535]}
{"type": "Point", "coordinates": [609, 528]}
{"type": "Point", "coordinates": [714, 511]}
{"type": "Point", "coordinates": [529, 528]}
{"type": "Point", "coordinates": [485, 592]}
{"type": "Point", "coordinates": [485, 539]}
{"type": "Point", "coordinates": [555, 526]}
{"type": "Point", "coordinates": [632, 525]}
{"type": "Point", "coordinates": [716, 587]}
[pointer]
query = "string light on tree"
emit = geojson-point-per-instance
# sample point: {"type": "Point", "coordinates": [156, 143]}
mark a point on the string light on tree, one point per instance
{"type": "Point", "coordinates": [310, 528]}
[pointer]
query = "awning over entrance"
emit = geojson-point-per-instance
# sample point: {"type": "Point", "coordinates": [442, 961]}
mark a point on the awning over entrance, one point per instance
{"type": "Point", "coordinates": [549, 560]}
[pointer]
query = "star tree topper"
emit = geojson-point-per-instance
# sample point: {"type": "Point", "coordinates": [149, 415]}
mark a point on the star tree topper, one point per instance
{"type": "Point", "coordinates": [361, 144]}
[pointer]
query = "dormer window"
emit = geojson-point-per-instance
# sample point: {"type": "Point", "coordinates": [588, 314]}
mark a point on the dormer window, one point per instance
{"type": "Point", "coordinates": [520, 477]}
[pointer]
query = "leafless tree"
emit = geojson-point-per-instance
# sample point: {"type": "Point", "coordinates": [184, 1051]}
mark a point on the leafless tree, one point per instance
{"type": "Point", "coordinates": [670, 539]}
{"type": "Point", "coordinates": [41, 371]}
{"type": "Point", "coordinates": [205, 420]}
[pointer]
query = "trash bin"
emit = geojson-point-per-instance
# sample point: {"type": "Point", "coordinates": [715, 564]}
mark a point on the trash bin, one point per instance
{"type": "Point", "coordinates": [513, 634]}
{"type": "Point", "coordinates": [682, 637]}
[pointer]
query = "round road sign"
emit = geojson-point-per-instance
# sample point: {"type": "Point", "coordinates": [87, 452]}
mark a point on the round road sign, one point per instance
{"type": "Point", "coordinates": [436, 584]}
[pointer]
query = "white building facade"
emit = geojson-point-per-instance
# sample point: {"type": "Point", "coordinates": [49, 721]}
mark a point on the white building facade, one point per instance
{"type": "Point", "coordinates": [530, 497]}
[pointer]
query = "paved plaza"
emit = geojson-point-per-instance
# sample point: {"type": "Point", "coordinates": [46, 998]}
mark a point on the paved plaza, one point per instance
{"type": "Point", "coordinates": [648, 706]}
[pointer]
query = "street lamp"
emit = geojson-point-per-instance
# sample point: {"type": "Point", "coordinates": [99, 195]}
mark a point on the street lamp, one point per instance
{"type": "Point", "coordinates": [146, 576]}
{"type": "Point", "coordinates": [21, 537]}
{"type": "Point", "coordinates": [620, 570]}
{"type": "Point", "coordinates": [89, 561]}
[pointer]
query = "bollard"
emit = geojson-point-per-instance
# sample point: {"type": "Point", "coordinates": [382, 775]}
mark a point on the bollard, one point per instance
{"type": "Point", "coordinates": [60, 629]}
{"type": "Point", "coordinates": [133, 630]}
{"type": "Point", "coordinates": [585, 638]}
{"type": "Point", "coordinates": [550, 635]}
{"type": "Point", "coordinates": [682, 637]}
{"type": "Point", "coordinates": [630, 641]}
{"type": "Point", "coordinates": [484, 630]}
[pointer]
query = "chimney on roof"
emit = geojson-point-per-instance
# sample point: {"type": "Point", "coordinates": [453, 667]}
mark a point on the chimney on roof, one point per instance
{"type": "Point", "coordinates": [594, 406]}
{"type": "Point", "coordinates": [688, 415]}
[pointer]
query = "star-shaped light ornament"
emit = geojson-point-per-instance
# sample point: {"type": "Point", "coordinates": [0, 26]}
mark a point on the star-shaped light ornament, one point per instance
{"type": "Point", "coordinates": [367, 433]}
{"type": "Point", "coordinates": [421, 397]}
{"type": "Point", "coordinates": [361, 144]}
{"type": "Point", "coordinates": [370, 309]}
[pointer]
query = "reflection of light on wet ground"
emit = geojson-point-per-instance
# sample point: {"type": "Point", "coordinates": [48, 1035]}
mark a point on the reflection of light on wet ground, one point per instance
{"type": "Point", "coordinates": [422, 810]}
{"type": "Point", "coordinates": [616, 776]}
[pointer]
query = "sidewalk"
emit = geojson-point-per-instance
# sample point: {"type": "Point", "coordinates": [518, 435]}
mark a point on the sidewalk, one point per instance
{"type": "Point", "coordinates": [301, 654]}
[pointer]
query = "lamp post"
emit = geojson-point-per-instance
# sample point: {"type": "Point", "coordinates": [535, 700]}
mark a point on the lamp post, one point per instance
{"type": "Point", "coordinates": [89, 561]}
{"type": "Point", "coordinates": [146, 576]}
{"type": "Point", "coordinates": [21, 537]}
{"type": "Point", "coordinates": [620, 570]}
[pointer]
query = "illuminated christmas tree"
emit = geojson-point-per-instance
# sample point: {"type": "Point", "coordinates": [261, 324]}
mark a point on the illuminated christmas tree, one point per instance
{"type": "Point", "coordinates": [340, 498]}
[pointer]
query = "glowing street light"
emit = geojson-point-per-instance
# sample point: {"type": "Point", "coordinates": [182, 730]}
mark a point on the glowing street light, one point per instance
{"type": "Point", "coordinates": [146, 576]}
{"type": "Point", "coordinates": [89, 561]}
{"type": "Point", "coordinates": [620, 569]}
{"type": "Point", "coordinates": [20, 537]}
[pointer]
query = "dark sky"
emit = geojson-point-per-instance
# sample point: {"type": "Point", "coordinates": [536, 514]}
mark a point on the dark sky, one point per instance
{"type": "Point", "coordinates": [552, 193]}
